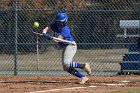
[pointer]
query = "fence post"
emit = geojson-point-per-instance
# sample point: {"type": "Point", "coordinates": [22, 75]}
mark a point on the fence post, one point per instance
{"type": "Point", "coordinates": [15, 2]}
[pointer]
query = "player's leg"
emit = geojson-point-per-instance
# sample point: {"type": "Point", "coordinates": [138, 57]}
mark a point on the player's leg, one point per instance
{"type": "Point", "coordinates": [76, 73]}
{"type": "Point", "coordinates": [85, 66]}
{"type": "Point", "coordinates": [67, 57]}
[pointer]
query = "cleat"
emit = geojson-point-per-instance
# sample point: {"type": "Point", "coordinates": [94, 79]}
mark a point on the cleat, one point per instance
{"type": "Point", "coordinates": [83, 81]}
{"type": "Point", "coordinates": [87, 68]}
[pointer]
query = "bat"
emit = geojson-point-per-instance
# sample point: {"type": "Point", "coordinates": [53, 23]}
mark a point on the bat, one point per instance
{"type": "Point", "coordinates": [128, 36]}
{"type": "Point", "coordinates": [59, 39]}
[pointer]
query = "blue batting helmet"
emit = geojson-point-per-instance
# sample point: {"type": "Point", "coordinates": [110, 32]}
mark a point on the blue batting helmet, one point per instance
{"type": "Point", "coordinates": [62, 17]}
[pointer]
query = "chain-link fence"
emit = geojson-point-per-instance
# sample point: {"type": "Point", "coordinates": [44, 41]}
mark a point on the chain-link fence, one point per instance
{"type": "Point", "coordinates": [94, 25]}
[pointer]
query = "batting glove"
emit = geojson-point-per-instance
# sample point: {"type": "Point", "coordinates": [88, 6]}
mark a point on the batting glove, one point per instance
{"type": "Point", "coordinates": [47, 36]}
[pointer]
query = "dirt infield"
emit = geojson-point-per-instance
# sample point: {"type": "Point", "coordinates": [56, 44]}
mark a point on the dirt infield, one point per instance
{"type": "Point", "coordinates": [67, 84]}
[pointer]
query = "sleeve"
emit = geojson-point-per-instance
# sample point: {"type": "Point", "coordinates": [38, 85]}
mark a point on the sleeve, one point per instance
{"type": "Point", "coordinates": [65, 32]}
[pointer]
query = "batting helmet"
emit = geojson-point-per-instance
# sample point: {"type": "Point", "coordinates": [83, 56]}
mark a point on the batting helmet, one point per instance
{"type": "Point", "coordinates": [62, 17]}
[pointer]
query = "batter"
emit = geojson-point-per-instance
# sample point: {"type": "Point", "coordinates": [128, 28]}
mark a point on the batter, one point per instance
{"type": "Point", "coordinates": [60, 27]}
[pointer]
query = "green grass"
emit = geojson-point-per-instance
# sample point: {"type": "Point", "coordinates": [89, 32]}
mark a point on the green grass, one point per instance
{"type": "Point", "coordinates": [130, 90]}
{"type": "Point", "coordinates": [99, 59]}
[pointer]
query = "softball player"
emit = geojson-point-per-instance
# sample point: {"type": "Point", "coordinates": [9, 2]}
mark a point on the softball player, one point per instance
{"type": "Point", "coordinates": [61, 28]}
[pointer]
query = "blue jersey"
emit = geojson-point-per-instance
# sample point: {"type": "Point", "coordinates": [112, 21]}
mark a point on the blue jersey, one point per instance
{"type": "Point", "coordinates": [64, 31]}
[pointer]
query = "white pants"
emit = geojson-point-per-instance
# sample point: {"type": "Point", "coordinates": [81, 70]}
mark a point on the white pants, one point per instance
{"type": "Point", "coordinates": [67, 56]}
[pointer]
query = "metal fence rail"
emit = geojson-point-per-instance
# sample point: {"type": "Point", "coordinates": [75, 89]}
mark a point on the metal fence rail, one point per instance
{"type": "Point", "coordinates": [94, 25]}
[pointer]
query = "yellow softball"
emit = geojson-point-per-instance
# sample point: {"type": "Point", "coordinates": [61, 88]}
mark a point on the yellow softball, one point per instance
{"type": "Point", "coordinates": [36, 25]}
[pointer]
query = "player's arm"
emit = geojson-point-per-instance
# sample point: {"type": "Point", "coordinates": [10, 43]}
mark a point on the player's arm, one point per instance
{"type": "Point", "coordinates": [56, 41]}
{"type": "Point", "coordinates": [50, 38]}
{"type": "Point", "coordinates": [45, 33]}
{"type": "Point", "coordinates": [47, 29]}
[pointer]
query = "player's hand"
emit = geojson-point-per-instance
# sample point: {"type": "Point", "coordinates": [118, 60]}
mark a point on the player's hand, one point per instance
{"type": "Point", "coordinates": [47, 36]}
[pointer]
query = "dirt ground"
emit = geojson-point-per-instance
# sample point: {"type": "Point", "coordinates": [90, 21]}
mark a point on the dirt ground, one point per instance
{"type": "Point", "coordinates": [66, 84]}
